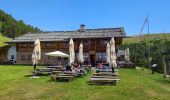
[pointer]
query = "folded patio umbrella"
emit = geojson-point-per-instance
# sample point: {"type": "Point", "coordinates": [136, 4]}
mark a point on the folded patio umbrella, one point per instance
{"type": "Point", "coordinates": [127, 55]}
{"type": "Point", "coordinates": [108, 53]}
{"type": "Point", "coordinates": [113, 56]}
{"type": "Point", "coordinates": [36, 54]}
{"type": "Point", "coordinates": [81, 59]}
{"type": "Point", "coordinates": [71, 52]}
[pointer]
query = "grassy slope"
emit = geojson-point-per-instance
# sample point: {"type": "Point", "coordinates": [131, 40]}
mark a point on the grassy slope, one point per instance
{"type": "Point", "coordinates": [3, 39]}
{"type": "Point", "coordinates": [147, 37]}
{"type": "Point", "coordinates": [134, 85]}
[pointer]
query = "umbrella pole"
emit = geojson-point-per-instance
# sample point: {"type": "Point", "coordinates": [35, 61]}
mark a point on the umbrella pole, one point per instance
{"type": "Point", "coordinates": [34, 65]}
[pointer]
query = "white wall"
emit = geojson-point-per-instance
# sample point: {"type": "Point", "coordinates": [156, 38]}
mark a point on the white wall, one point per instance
{"type": "Point", "coordinates": [12, 51]}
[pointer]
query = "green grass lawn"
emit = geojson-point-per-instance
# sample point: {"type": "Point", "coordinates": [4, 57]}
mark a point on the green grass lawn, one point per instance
{"type": "Point", "coordinates": [15, 84]}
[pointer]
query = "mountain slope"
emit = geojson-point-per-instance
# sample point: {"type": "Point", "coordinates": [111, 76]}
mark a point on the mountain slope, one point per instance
{"type": "Point", "coordinates": [12, 28]}
{"type": "Point", "coordinates": [3, 39]}
{"type": "Point", "coordinates": [147, 37]}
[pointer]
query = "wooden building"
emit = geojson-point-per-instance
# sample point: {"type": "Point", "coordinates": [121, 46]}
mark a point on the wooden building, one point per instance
{"type": "Point", "coordinates": [3, 54]}
{"type": "Point", "coordinates": [94, 44]}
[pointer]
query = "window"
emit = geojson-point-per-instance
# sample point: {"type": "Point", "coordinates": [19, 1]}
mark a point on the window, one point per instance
{"type": "Point", "coordinates": [31, 45]}
{"type": "Point", "coordinates": [65, 58]}
{"type": "Point", "coordinates": [50, 58]}
{"type": "Point", "coordinates": [105, 42]}
{"type": "Point", "coordinates": [29, 57]}
{"type": "Point", "coordinates": [85, 45]}
{"type": "Point", "coordinates": [86, 56]}
{"type": "Point", "coordinates": [22, 57]}
{"type": "Point", "coordinates": [66, 44]}
{"type": "Point", "coordinates": [19, 45]}
{"type": "Point", "coordinates": [104, 55]}
{"type": "Point", "coordinates": [100, 56]}
{"type": "Point", "coordinates": [12, 57]}
{"type": "Point", "coordinates": [59, 58]}
{"type": "Point", "coordinates": [85, 42]}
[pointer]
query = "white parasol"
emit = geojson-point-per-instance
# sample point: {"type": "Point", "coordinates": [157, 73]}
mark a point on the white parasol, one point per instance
{"type": "Point", "coordinates": [36, 55]}
{"type": "Point", "coordinates": [113, 56]}
{"type": "Point", "coordinates": [108, 53]}
{"type": "Point", "coordinates": [81, 59]}
{"type": "Point", "coordinates": [57, 54]}
{"type": "Point", "coordinates": [71, 51]}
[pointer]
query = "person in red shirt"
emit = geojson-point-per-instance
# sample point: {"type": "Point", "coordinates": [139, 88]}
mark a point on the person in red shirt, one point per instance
{"type": "Point", "coordinates": [100, 65]}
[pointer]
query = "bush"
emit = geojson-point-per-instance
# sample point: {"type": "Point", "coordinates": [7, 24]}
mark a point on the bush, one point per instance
{"type": "Point", "coordinates": [139, 52]}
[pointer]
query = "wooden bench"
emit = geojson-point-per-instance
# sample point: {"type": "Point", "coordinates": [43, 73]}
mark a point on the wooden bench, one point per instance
{"type": "Point", "coordinates": [105, 74]}
{"type": "Point", "coordinates": [43, 70]}
{"type": "Point", "coordinates": [102, 77]}
{"type": "Point", "coordinates": [65, 74]}
{"type": "Point", "coordinates": [56, 67]}
{"type": "Point", "coordinates": [80, 74]}
{"type": "Point", "coordinates": [69, 78]}
{"type": "Point", "coordinates": [106, 70]}
{"type": "Point", "coordinates": [59, 69]}
{"type": "Point", "coordinates": [56, 72]}
{"type": "Point", "coordinates": [104, 80]}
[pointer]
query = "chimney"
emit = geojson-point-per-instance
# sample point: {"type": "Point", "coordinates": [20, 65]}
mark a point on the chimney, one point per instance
{"type": "Point", "coordinates": [82, 28]}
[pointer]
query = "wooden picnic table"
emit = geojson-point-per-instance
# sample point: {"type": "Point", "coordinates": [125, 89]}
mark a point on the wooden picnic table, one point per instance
{"type": "Point", "coordinates": [63, 75]}
{"type": "Point", "coordinates": [105, 73]}
{"type": "Point", "coordinates": [57, 72]}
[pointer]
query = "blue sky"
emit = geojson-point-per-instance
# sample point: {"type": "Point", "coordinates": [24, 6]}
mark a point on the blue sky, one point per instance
{"type": "Point", "coordinates": [56, 15]}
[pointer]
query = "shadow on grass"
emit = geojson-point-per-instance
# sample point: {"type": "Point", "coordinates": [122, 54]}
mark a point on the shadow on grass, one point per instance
{"type": "Point", "coordinates": [163, 81]}
{"type": "Point", "coordinates": [28, 75]}
{"type": "Point", "coordinates": [100, 84]}
{"type": "Point", "coordinates": [60, 80]}
{"type": "Point", "coordinates": [51, 80]}
{"type": "Point", "coordinates": [36, 75]}
{"type": "Point", "coordinates": [167, 81]}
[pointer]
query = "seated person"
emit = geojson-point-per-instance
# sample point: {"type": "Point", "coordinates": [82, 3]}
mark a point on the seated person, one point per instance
{"type": "Point", "coordinates": [99, 65]}
{"type": "Point", "coordinates": [68, 68]}
{"type": "Point", "coordinates": [104, 67]}
{"type": "Point", "coordinates": [77, 68]}
{"type": "Point", "coordinates": [76, 65]}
